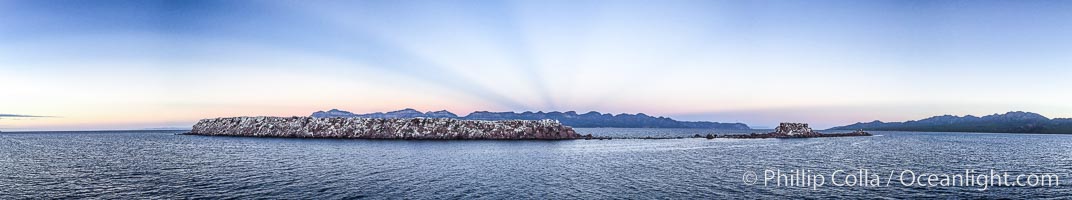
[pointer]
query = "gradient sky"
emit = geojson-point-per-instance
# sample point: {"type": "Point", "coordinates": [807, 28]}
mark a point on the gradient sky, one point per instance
{"type": "Point", "coordinates": [103, 64]}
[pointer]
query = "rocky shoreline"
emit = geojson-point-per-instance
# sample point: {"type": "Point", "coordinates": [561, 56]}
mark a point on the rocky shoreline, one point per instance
{"type": "Point", "coordinates": [367, 128]}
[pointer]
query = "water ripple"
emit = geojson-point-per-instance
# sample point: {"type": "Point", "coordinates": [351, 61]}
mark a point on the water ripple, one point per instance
{"type": "Point", "coordinates": [159, 164]}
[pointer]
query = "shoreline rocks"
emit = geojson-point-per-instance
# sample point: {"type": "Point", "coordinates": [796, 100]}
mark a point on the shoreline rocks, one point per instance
{"type": "Point", "coordinates": [394, 128]}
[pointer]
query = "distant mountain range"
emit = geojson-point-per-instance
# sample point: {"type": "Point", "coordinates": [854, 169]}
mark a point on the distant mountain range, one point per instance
{"type": "Point", "coordinates": [571, 118]}
{"type": "Point", "coordinates": [1011, 122]}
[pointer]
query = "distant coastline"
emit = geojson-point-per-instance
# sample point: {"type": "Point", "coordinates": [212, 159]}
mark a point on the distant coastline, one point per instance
{"type": "Point", "coordinates": [1010, 122]}
{"type": "Point", "coordinates": [570, 118]}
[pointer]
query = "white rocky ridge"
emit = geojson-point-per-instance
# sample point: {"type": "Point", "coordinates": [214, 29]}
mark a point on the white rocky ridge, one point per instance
{"type": "Point", "coordinates": [794, 129]}
{"type": "Point", "coordinates": [374, 128]}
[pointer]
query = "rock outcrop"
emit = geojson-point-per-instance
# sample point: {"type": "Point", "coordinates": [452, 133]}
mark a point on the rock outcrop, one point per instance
{"type": "Point", "coordinates": [796, 130]}
{"type": "Point", "coordinates": [378, 128]}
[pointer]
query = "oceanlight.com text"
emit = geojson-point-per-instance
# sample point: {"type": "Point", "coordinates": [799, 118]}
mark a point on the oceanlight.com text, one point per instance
{"type": "Point", "coordinates": [981, 179]}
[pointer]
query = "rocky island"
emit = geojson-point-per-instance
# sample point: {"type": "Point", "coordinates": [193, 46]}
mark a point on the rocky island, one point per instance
{"type": "Point", "coordinates": [796, 130]}
{"type": "Point", "coordinates": [391, 128]}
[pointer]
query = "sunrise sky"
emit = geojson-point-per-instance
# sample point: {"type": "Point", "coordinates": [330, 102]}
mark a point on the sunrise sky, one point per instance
{"type": "Point", "coordinates": [93, 65]}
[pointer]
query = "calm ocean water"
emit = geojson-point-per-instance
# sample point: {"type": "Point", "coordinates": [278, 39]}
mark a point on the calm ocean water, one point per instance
{"type": "Point", "coordinates": [160, 164]}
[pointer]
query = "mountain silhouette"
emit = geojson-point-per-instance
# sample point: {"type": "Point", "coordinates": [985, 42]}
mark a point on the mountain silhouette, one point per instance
{"type": "Point", "coordinates": [1011, 122]}
{"type": "Point", "coordinates": [571, 118]}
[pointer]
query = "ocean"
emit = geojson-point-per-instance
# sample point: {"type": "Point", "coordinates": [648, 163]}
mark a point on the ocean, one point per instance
{"type": "Point", "coordinates": [162, 164]}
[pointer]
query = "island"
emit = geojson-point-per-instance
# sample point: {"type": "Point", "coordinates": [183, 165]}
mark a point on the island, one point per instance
{"type": "Point", "coordinates": [1010, 122]}
{"type": "Point", "coordinates": [385, 128]}
{"type": "Point", "coordinates": [793, 130]}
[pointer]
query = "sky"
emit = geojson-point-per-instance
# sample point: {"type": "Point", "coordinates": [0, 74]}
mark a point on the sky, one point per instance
{"type": "Point", "coordinates": [108, 64]}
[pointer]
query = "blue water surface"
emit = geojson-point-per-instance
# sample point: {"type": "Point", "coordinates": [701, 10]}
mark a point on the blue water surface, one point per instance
{"type": "Point", "coordinates": [161, 164]}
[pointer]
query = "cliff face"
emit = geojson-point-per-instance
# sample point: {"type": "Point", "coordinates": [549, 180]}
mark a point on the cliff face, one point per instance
{"type": "Point", "coordinates": [369, 128]}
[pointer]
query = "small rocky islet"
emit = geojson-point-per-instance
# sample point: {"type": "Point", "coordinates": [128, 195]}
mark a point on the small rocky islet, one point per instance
{"type": "Point", "coordinates": [393, 128]}
{"type": "Point", "coordinates": [795, 130]}
{"type": "Point", "coordinates": [438, 129]}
